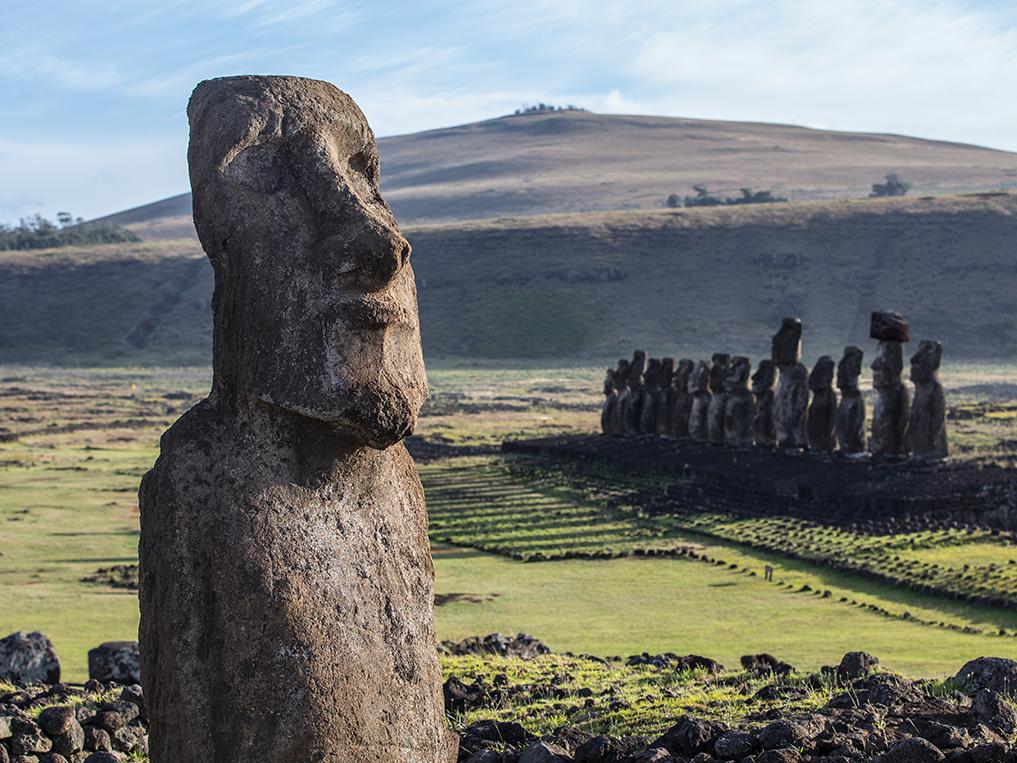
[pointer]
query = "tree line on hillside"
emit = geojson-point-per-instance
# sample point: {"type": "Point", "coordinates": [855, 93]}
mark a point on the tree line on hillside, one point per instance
{"type": "Point", "coordinates": [542, 108]}
{"type": "Point", "coordinates": [36, 232]}
{"type": "Point", "coordinates": [894, 186]}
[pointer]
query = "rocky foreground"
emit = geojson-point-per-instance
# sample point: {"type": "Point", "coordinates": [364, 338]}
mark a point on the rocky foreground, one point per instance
{"type": "Point", "coordinates": [512, 701]}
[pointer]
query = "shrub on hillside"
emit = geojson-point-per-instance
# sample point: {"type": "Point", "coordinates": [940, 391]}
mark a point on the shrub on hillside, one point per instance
{"type": "Point", "coordinates": [704, 198]}
{"type": "Point", "coordinates": [541, 108]}
{"type": "Point", "coordinates": [893, 186]}
{"type": "Point", "coordinates": [36, 232]}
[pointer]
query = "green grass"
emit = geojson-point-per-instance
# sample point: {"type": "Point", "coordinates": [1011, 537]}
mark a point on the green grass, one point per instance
{"type": "Point", "coordinates": [68, 506]}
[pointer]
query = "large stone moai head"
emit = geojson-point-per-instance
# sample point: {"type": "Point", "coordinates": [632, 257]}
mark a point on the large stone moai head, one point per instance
{"type": "Point", "coordinates": [666, 373]}
{"type": "Point", "coordinates": [651, 378]}
{"type": "Point", "coordinates": [888, 365]}
{"type": "Point", "coordinates": [787, 343]}
{"type": "Point", "coordinates": [925, 362]}
{"type": "Point", "coordinates": [821, 377]}
{"type": "Point", "coordinates": [315, 307]}
{"type": "Point", "coordinates": [680, 380]}
{"type": "Point", "coordinates": [637, 367]}
{"type": "Point", "coordinates": [849, 369]}
{"type": "Point", "coordinates": [718, 371]}
{"type": "Point", "coordinates": [738, 371]}
{"type": "Point", "coordinates": [699, 379]}
{"type": "Point", "coordinates": [764, 378]}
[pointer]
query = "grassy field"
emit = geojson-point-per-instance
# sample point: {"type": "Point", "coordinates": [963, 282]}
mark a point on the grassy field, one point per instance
{"type": "Point", "coordinates": [79, 442]}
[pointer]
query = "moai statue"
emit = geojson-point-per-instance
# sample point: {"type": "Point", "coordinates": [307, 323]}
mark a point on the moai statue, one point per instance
{"type": "Point", "coordinates": [890, 412]}
{"type": "Point", "coordinates": [738, 409]}
{"type": "Point", "coordinates": [851, 411]}
{"type": "Point", "coordinates": [610, 401]}
{"type": "Point", "coordinates": [715, 414]}
{"type": "Point", "coordinates": [699, 389]}
{"type": "Point", "coordinates": [651, 398]}
{"type": "Point", "coordinates": [664, 396]}
{"type": "Point", "coordinates": [616, 424]}
{"type": "Point", "coordinates": [681, 399]}
{"type": "Point", "coordinates": [764, 428]}
{"type": "Point", "coordinates": [287, 587]}
{"type": "Point", "coordinates": [927, 423]}
{"type": "Point", "coordinates": [634, 399]}
{"type": "Point", "coordinates": [822, 418]}
{"type": "Point", "coordinates": [792, 398]}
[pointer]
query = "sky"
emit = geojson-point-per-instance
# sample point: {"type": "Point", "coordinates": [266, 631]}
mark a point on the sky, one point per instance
{"type": "Point", "coordinates": [92, 94]}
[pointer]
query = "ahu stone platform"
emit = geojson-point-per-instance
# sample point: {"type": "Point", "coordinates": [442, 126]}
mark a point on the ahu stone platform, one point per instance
{"type": "Point", "coordinates": [818, 487]}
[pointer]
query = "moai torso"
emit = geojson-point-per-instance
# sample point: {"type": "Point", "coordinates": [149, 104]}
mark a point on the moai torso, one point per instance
{"type": "Point", "coordinates": [792, 397]}
{"type": "Point", "coordinates": [651, 398]}
{"type": "Point", "coordinates": [927, 422]}
{"type": "Point", "coordinates": [851, 410]}
{"type": "Point", "coordinates": [890, 410]}
{"type": "Point", "coordinates": [764, 429]}
{"type": "Point", "coordinates": [286, 585]}
{"type": "Point", "coordinates": [616, 418]}
{"type": "Point", "coordinates": [681, 399]}
{"type": "Point", "coordinates": [738, 410]}
{"type": "Point", "coordinates": [633, 409]}
{"type": "Point", "coordinates": [718, 399]}
{"type": "Point", "coordinates": [664, 397]}
{"type": "Point", "coordinates": [822, 417]}
{"type": "Point", "coordinates": [699, 389]}
{"type": "Point", "coordinates": [610, 402]}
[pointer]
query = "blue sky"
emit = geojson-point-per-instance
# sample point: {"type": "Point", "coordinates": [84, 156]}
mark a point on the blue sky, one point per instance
{"type": "Point", "coordinates": [93, 93]}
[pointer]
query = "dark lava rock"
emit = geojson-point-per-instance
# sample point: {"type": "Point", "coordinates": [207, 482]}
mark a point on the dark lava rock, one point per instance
{"type": "Point", "coordinates": [994, 673]}
{"type": "Point", "coordinates": [53, 757]}
{"type": "Point", "coordinates": [71, 741]}
{"type": "Point", "coordinates": [784, 755]}
{"type": "Point", "coordinates": [97, 740]}
{"type": "Point", "coordinates": [735, 745]}
{"type": "Point", "coordinates": [104, 757]}
{"type": "Point", "coordinates": [992, 708]}
{"type": "Point", "coordinates": [761, 664]}
{"type": "Point", "coordinates": [28, 658]}
{"type": "Point", "coordinates": [783, 733]}
{"type": "Point", "coordinates": [486, 734]}
{"type": "Point", "coordinates": [913, 750]}
{"type": "Point", "coordinates": [491, 756]}
{"type": "Point", "coordinates": [651, 755]}
{"type": "Point", "coordinates": [889, 326]}
{"type": "Point", "coordinates": [856, 665]}
{"type": "Point", "coordinates": [605, 749]}
{"type": "Point", "coordinates": [690, 736]}
{"type": "Point", "coordinates": [459, 697]}
{"type": "Point", "coordinates": [521, 645]}
{"type": "Point", "coordinates": [545, 752]}
{"type": "Point", "coordinates": [115, 661]}
{"type": "Point", "coordinates": [56, 720]}
{"type": "Point", "coordinates": [672, 661]}
{"type": "Point", "coordinates": [571, 738]}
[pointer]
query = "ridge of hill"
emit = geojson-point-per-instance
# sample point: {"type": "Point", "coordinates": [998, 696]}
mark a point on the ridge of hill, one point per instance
{"type": "Point", "coordinates": [593, 286]}
{"type": "Point", "coordinates": [532, 164]}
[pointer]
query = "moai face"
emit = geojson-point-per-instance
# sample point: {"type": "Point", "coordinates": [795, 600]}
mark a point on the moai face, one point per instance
{"type": "Point", "coordinates": [699, 379]}
{"type": "Point", "coordinates": [821, 377]}
{"type": "Point", "coordinates": [636, 369]}
{"type": "Point", "coordinates": [764, 377]}
{"type": "Point", "coordinates": [737, 373]}
{"type": "Point", "coordinates": [315, 304]}
{"type": "Point", "coordinates": [925, 362]}
{"type": "Point", "coordinates": [651, 378]}
{"type": "Point", "coordinates": [680, 381]}
{"type": "Point", "coordinates": [666, 373]}
{"type": "Point", "coordinates": [621, 374]}
{"type": "Point", "coordinates": [787, 343]}
{"type": "Point", "coordinates": [888, 364]}
{"type": "Point", "coordinates": [850, 368]}
{"type": "Point", "coordinates": [718, 371]}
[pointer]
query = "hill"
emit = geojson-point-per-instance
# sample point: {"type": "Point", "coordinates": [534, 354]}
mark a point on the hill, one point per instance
{"type": "Point", "coordinates": [583, 286]}
{"type": "Point", "coordinates": [534, 164]}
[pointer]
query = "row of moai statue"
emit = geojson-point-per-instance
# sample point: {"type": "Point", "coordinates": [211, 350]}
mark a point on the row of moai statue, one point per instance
{"type": "Point", "coordinates": [786, 405]}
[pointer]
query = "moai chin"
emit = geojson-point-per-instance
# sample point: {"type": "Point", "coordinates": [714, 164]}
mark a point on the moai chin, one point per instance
{"type": "Point", "coordinates": [616, 423]}
{"type": "Point", "coordinates": [890, 411]}
{"type": "Point", "coordinates": [634, 399]}
{"type": "Point", "coordinates": [699, 389]}
{"type": "Point", "coordinates": [764, 428]}
{"type": "Point", "coordinates": [792, 397]}
{"type": "Point", "coordinates": [851, 410]}
{"type": "Point", "coordinates": [738, 410]}
{"type": "Point", "coordinates": [651, 398]}
{"type": "Point", "coordinates": [927, 423]}
{"type": "Point", "coordinates": [665, 397]}
{"type": "Point", "coordinates": [681, 399]}
{"type": "Point", "coordinates": [718, 400]}
{"type": "Point", "coordinates": [822, 416]}
{"type": "Point", "coordinates": [286, 580]}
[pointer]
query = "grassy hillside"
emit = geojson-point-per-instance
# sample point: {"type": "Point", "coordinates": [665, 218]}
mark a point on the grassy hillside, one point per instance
{"type": "Point", "coordinates": [534, 164]}
{"type": "Point", "coordinates": [583, 286]}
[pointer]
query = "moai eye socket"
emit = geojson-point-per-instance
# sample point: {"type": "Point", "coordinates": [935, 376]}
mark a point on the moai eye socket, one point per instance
{"type": "Point", "coordinates": [257, 167]}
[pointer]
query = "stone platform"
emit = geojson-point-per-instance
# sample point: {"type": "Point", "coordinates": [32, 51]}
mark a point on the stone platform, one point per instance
{"type": "Point", "coordinates": [765, 481]}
